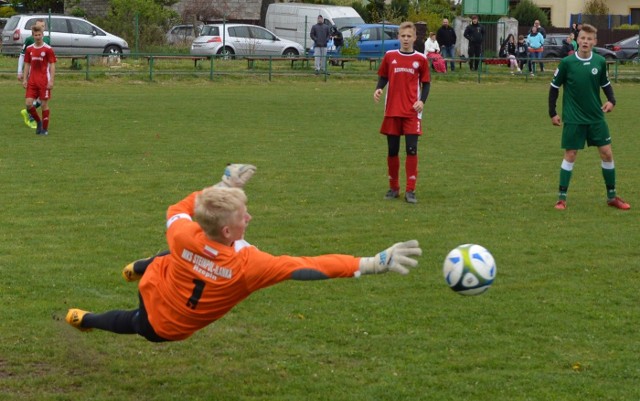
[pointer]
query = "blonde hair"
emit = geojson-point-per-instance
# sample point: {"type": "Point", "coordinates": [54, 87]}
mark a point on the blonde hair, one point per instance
{"type": "Point", "coordinates": [37, 28]}
{"type": "Point", "coordinates": [407, 25]}
{"type": "Point", "coordinates": [216, 206]}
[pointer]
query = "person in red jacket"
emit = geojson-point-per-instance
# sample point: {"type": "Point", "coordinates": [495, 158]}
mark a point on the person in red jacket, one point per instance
{"type": "Point", "coordinates": [210, 268]}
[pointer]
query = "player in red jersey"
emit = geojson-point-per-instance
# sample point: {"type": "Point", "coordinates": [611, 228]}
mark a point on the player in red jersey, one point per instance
{"type": "Point", "coordinates": [39, 73]}
{"type": "Point", "coordinates": [404, 70]}
{"type": "Point", "coordinates": [211, 268]}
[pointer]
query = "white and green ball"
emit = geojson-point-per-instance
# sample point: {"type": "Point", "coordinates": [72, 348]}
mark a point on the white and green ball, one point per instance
{"type": "Point", "coordinates": [469, 269]}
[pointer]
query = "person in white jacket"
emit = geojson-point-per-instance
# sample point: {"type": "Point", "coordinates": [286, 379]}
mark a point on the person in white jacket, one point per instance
{"type": "Point", "coordinates": [431, 44]}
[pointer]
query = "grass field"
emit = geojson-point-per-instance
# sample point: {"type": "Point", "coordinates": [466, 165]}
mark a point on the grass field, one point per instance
{"type": "Point", "coordinates": [560, 322]}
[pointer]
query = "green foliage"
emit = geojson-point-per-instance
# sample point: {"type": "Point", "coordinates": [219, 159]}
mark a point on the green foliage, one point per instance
{"type": "Point", "coordinates": [362, 10]}
{"type": "Point", "coordinates": [153, 20]}
{"type": "Point", "coordinates": [526, 12]}
{"type": "Point", "coordinates": [56, 6]}
{"type": "Point", "coordinates": [6, 12]}
{"type": "Point", "coordinates": [350, 47]}
{"type": "Point", "coordinates": [558, 323]}
{"type": "Point", "coordinates": [434, 21]}
{"type": "Point", "coordinates": [625, 27]}
{"type": "Point", "coordinates": [596, 7]}
{"type": "Point", "coordinates": [400, 8]}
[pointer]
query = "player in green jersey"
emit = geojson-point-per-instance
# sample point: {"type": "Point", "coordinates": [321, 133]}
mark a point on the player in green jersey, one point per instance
{"type": "Point", "coordinates": [583, 74]}
{"type": "Point", "coordinates": [28, 120]}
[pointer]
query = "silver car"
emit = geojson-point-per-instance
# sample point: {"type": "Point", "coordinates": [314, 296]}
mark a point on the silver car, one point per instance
{"type": "Point", "coordinates": [242, 40]}
{"type": "Point", "coordinates": [69, 35]}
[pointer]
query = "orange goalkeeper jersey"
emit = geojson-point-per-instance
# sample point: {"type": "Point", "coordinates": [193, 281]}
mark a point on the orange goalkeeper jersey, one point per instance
{"type": "Point", "coordinates": [201, 280]}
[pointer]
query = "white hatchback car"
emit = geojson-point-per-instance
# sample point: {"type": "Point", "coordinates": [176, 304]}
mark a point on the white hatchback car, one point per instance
{"type": "Point", "coordinates": [69, 35]}
{"type": "Point", "coordinates": [242, 40]}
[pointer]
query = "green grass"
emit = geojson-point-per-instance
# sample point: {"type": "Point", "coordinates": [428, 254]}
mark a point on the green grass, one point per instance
{"type": "Point", "coordinates": [560, 322]}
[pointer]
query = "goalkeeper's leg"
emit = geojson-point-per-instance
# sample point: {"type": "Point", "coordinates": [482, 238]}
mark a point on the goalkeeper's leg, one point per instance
{"type": "Point", "coordinates": [135, 270]}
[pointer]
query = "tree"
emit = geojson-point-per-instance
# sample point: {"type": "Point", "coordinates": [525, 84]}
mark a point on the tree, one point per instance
{"type": "Point", "coordinates": [526, 12]}
{"type": "Point", "coordinates": [596, 7]}
{"type": "Point", "coordinates": [209, 10]}
{"type": "Point", "coordinates": [152, 17]}
{"type": "Point", "coordinates": [56, 6]}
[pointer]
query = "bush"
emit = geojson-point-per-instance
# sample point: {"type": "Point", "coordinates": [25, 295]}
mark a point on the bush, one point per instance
{"type": "Point", "coordinates": [350, 47]}
{"type": "Point", "coordinates": [153, 20]}
{"type": "Point", "coordinates": [526, 12]}
{"type": "Point", "coordinates": [627, 27]}
{"type": "Point", "coordinates": [6, 12]}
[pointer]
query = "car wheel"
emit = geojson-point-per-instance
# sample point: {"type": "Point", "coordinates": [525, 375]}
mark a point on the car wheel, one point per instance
{"type": "Point", "coordinates": [226, 53]}
{"type": "Point", "coordinates": [290, 53]}
{"type": "Point", "coordinates": [112, 50]}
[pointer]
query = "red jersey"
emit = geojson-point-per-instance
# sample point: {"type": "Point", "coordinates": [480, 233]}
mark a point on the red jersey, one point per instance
{"type": "Point", "coordinates": [405, 72]}
{"type": "Point", "coordinates": [39, 58]}
{"type": "Point", "coordinates": [201, 280]}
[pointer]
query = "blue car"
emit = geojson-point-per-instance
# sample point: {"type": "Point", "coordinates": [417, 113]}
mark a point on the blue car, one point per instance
{"type": "Point", "coordinates": [374, 40]}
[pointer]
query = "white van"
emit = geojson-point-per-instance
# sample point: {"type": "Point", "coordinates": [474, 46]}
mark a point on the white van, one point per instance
{"type": "Point", "coordinates": [293, 21]}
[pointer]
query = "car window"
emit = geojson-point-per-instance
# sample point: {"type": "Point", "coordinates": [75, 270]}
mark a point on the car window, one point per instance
{"type": "Point", "coordinates": [390, 33]}
{"type": "Point", "coordinates": [369, 34]}
{"type": "Point", "coordinates": [12, 24]}
{"type": "Point", "coordinates": [81, 27]}
{"type": "Point", "coordinates": [59, 25]}
{"type": "Point", "coordinates": [211, 31]}
{"type": "Point", "coordinates": [240, 32]}
{"type": "Point", "coordinates": [259, 33]}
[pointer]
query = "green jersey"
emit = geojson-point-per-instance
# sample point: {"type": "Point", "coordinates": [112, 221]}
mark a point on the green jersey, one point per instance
{"type": "Point", "coordinates": [582, 80]}
{"type": "Point", "coordinates": [29, 41]}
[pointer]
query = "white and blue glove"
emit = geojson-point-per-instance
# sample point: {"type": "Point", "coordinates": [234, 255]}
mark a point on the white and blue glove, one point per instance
{"type": "Point", "coordinates": [236, 175]}
{"type": "Point", "coordinates": [396, 259]}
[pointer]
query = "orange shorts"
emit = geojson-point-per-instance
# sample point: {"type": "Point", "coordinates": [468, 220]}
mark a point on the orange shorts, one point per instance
{"type": "Point", "coordinates": [401, 126]}
{"type": "Point", "coordinates": [38, 92]}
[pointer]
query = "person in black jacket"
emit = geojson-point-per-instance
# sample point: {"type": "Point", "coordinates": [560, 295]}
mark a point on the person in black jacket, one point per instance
{"type": "Point", "coordinates": [521, 51]}
{"type": "Point", "coordinates": [474, 33]}
{"type": "Point", "coordinates": [446, 37]}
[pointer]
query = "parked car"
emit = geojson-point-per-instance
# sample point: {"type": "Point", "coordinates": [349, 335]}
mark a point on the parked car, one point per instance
{"type": "Point", "coordinates": [374, 40]}
{"type": "Point", "coordinates": [242, 40]}
{"type": "Point", "coordinates": [553, 47]}
{"type": "Point", "coordinates": [626, 49]}
{"type": "Point", "coordinates": [69, 35]}
{"type": "Point", "coordinates": [183, 34]}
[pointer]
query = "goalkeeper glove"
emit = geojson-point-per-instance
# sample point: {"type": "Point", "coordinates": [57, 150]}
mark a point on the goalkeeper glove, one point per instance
{"type": "Point", "coordinates": [236, 175]}
{"type": "Point", "coordinates": [395, 259]}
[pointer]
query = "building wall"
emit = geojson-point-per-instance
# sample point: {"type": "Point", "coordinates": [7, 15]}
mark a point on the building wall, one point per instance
{"type": "Point", "coordinates": [561, 10]}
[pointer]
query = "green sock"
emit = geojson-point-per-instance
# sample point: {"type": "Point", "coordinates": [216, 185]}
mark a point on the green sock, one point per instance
{"type": "Point", "coordinates": [565, 177]}
{"type": "Point", "coordinates": [609, 175]}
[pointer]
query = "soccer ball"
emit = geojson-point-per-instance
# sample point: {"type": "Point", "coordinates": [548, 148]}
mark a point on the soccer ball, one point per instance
{"type": "Point", "coordinates": [469, 269]}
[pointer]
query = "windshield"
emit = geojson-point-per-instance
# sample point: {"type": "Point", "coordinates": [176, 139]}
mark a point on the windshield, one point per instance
{"type": "Point", "coordinates": [347, 22]}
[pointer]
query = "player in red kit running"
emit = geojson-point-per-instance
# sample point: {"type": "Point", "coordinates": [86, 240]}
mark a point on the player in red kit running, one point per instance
{"type": "Point", "coordinates": [404, 70]}
{"type": "Point", "coordinates": [39, 72]}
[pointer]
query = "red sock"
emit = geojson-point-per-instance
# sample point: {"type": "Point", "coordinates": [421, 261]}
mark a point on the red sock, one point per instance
{"type": "Point", "coordinates": [411, 168]}
{"type": "Point", "coordinates": [45, 119]}
{"type": "Point", "coordinates": [34, 113]}
{"type": "Point", "coordinates": [393, 168]}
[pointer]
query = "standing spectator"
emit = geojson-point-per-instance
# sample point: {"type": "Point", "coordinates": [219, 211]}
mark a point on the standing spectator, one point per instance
{"type": "Point", "coordinates": [28, 120]}
{"type": "Point", "coordinates": [583, 74]}
{"type": "Point", "coordinates": [320, 34]}
{"type": "Point", "coordinates": [38, 77]}
{"type": "Point", "coordinates": [540, 29]}
{"type": "Point", "coordinates": [575, 30]}
{"type": "Point", "coordinates": [474, 33]}
{"type": "Point", "coordinates": [535, 43]}
{"type": "Point", "coordinates": [573, 41]}
{"type": "Point", "coordinates": [404, 70]}
{"type": "Point", "coordinates": [446, 37]}
{"type": "Point", "coordinates": [211, 268]}
{"type": "Point", "coordinates": [522, 52]}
